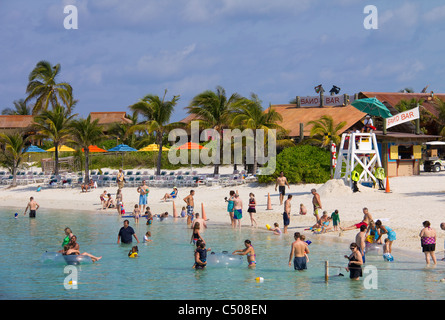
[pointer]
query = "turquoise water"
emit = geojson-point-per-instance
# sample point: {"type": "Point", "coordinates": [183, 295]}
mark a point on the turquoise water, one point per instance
{"type": "Point", "coordinates": [163, 269]}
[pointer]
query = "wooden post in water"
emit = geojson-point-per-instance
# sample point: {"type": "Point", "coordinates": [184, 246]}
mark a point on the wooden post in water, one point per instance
{"type": "Point", "coordinates": [326, 271]}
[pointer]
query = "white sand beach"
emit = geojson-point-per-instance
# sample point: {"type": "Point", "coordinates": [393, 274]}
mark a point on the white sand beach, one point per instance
{"type": "Point", "coordinates": [412, 200]}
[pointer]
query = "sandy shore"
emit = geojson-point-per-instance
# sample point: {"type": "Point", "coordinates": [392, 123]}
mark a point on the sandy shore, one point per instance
{"type": "Point", "coordinates": [412, 200]}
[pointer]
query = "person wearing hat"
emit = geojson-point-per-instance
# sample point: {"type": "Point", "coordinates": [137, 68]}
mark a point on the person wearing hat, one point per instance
{"type": "Point", "coordinates": [171, 195]}
{"type": "Point", "coordinates": [368, 124]}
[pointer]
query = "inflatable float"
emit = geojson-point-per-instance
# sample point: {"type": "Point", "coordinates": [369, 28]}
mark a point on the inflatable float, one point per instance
{"type": "Point", "coordinates": [374, 249]}
{"type": "Point", "coordinates": [224, 259]}
{"type": "Point", "coordinates": [57, 257]}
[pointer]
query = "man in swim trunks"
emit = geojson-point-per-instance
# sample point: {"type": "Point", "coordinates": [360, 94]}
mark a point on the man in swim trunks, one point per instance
{"type": "Point", "coordinates": [298, 251]}
{"type": "Point", "coordinates": [190, 205]}
{"type": "Point", "coordinates": [316, 201]}
{"type": "Point", "coordinates": [286, 213]}
{"type": "Point", "coordinates": [360, 240]}
{"type": "Point", "coordinates": [32, 206]}
{"type": "Point", "coordinates": [143, 194]}
{"type": "Point", "coordinates": [281, 184]}
{"type": "Point", "coordinates": [237, 211]}
{"type": "Point", "coordinates": [366, 219]}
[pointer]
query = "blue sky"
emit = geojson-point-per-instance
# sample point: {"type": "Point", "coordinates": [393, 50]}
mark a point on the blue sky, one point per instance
{"type": "Point", "coordinates": [278, 49]}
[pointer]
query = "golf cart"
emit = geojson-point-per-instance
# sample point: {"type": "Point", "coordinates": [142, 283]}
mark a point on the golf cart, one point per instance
{"type": "Point", "coordinates": [434, 156]}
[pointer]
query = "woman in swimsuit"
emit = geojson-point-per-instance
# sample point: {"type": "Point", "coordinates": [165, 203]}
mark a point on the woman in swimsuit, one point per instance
{"type": "Point", "coordinates": [381, 230]}
{"type": "Point", "coordinates": [428, 241]}
{"type": "Point", "coordinates": [355, 262]}
{"type": "Point", "coordinates": [230, 204]}
{"type": "Point", "coordinates": [249, 252]}
{"type": "Point", "coordinates": [251, 209]}
{"type": "Point", "coordinates": [196, 235]}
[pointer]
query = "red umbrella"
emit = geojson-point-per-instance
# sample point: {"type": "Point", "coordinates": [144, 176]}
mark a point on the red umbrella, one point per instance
{"type": "Point", "coordinates": [95, 149]}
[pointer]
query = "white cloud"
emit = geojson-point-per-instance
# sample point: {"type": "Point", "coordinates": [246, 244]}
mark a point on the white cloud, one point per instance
{"type": "Point", "coordinates": [436, 14]}
{"type": "Point", "coordinates": [165, 63]}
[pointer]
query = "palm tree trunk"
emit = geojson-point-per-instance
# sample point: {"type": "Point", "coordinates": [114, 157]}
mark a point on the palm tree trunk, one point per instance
{"type": "Point", "coordinates": [56, 158]}
{"type": "Point", "coordinates": [14, 174]}
{"type": "Point", "coordinates": [216, 165]}
{"type": "Point", "coordinates": [255, 162]}
{"type": "Point", "coordinates": [158, 163]}
{"type": "Point", "coordinates": [87, 165]}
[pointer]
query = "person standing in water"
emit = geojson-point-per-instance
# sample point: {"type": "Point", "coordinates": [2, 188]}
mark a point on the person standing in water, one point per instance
{"type": "Point", "coordinates": [299, 251]}
{"type": "Point", "coordinates": [249, 252]}
{"type": "Point", "coordinates": [33, 206]}
{"type": "Point", "coordinates": [428, 241]}
{"type": "Point", "coordinates": [281, 184]}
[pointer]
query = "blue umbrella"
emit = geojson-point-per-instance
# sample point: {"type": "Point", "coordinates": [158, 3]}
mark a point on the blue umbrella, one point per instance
{"type": "Point", "coordinates": [122, 148]}
{"type": "Point", "coordinates": [32, 148]}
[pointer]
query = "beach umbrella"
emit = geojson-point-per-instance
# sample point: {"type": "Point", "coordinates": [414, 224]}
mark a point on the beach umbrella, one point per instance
{"type": "Point", "coordinates": [95, 149]}
{"type": "Point", "coordinates": [62, 148]}
{"type": "Point", "coordinates": [33, 149]}
{"type": "Point", "coordinates": [191, 146]}
{"type": "Point", "coordinates": [122, 148]}
{"type": "Point", "coordinates": [372, 106]}
{"type": "Point", "coordinates": [153, 147]}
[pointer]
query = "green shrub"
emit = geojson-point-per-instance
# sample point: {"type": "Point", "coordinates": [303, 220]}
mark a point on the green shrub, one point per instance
{"type": "Point", "coordinates": [301, 164]}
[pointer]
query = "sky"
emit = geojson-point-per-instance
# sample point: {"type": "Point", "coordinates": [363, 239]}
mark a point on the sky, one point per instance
{"type": "Point", "coordinates": [126, 49]}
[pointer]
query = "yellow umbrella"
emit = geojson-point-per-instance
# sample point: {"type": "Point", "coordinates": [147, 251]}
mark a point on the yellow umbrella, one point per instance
{"type": "Point", "coordinates": [153, 147]}
{"type": "Point", "coordinates": [62, 148]}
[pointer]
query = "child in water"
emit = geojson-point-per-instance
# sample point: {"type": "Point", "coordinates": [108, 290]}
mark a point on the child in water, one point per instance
{"type": "Point", "coordinates": [183, 212]}
{"type": "Point", "coordinates": [136, 213]}
{"type": "Point", "coordinates": [148, 216]}
{"type": "Point", "coordinates": [386, 255]}
{"type": "Point", "coordinates": [147, 237]}
{"type": "Point", "coordinates": [133, 253]}
{"type": "Point", "coordinates": [276, 230]}
{"type": "Point", "coordinates": [303, 238]}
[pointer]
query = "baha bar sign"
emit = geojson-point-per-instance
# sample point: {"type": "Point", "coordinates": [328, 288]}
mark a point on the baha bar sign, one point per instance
{"type": "Point", "coordinates": [402, 117]}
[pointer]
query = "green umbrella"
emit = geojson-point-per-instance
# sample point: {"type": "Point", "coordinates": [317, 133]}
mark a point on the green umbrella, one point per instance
{"type": "Point", "coordinates": [373, 107]}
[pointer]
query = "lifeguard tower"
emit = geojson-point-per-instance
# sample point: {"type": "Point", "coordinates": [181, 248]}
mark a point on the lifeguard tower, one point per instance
{"type": "Point", "coordinates": [357, 150]}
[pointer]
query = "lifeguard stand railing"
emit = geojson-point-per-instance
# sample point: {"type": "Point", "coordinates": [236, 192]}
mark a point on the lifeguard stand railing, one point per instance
{"type": "Point", "coordinates": [357, 150]}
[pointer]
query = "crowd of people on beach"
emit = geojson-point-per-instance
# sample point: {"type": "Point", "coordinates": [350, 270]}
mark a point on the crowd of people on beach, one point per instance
{"type": "Point", "coordinates": [370, 232]}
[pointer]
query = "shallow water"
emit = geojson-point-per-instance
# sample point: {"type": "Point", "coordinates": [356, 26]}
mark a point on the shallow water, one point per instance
{"type": "Point", "coordinates": [163, 268]}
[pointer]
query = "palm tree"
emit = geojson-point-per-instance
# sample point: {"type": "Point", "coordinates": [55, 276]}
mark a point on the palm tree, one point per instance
{"type": "Point", "coordinates": [20, 108]}
{"type": "Point", "coordinates": [14, 150]}
{"type": "Point", "coordinates": [405, 105]}
{"type": "Point", "coordinates": [249, 113]}
{"type": "Point", "coordinates": [86, 133]}
{"type": "Point", "coordinates": [54, 125]}
{"type": "Point", "coordinates": [158, 112]}
{"type": "Point", "coordinates": [213, 111]}
{"type": "Point", "coordinates": [123, 131]}
{"type": "Point", "coordinates": [440, 107]}
{"type": "Point", "coordinates": [46, 90]}
{"type": "Point", "coordinates": [324, 131]}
